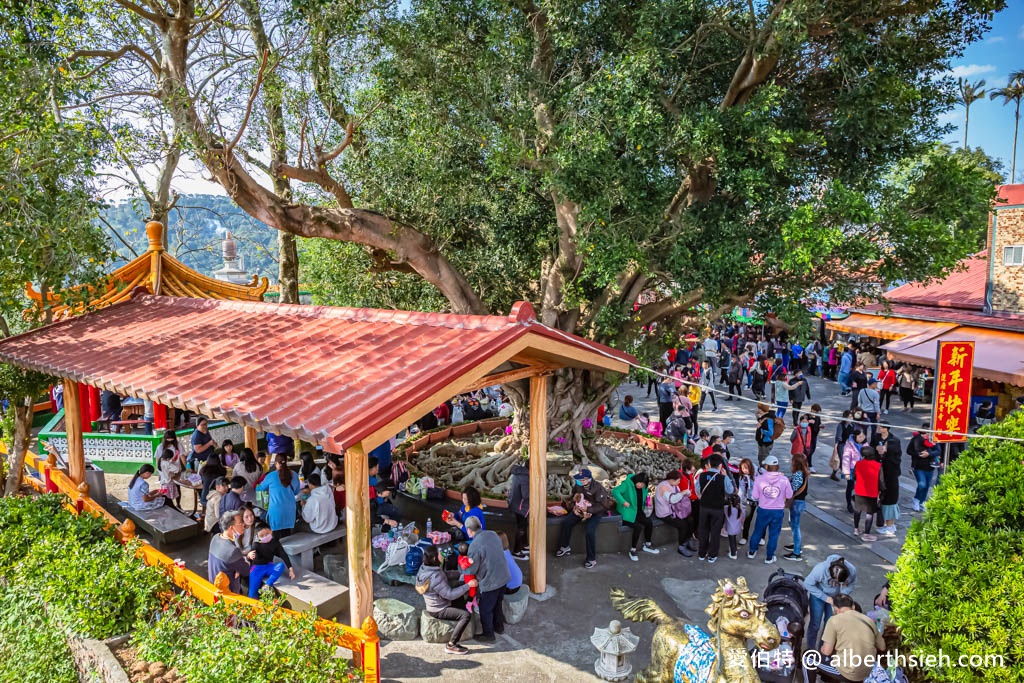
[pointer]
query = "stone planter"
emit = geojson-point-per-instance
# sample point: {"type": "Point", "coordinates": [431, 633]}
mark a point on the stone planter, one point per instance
{"type": "Point", "coordinates": [464, 429]}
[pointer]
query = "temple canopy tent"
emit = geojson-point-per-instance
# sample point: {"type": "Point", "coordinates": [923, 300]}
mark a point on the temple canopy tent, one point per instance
{"type": "Point", "coordinates": [158, 272]}
{"type": "Point", "coordinates": [347, 379]}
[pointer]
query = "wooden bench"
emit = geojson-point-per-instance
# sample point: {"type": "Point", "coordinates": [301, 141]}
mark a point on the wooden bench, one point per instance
{"type": "Point", "coordinates": [166, 525]}
{"type": "Point", "coordinates": [300, 546]}
{"type": "Point", "coordinates": [312, 592]}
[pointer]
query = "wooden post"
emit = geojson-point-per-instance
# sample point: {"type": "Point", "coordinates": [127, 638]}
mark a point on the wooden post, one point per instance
{"type": "Point", "coordinates": [538, 483]}
{"type": "Point", "coordinates": [252, 439]}
{"type": "Point", "coordinates": [357, 525]}
{"type": "Point", "coordinates": [73, 428]}
{"type": "Point", "coordinates": [83, 406]}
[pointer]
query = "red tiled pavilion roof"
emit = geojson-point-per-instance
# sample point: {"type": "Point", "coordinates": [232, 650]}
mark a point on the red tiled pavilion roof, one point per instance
{"type": "Point", "coordinates": [333, 376]}
{"type": "Point", "coordinates": [962, 289]}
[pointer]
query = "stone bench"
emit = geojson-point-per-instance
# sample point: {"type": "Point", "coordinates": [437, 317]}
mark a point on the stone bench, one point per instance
{"type": "Point", "coordinates": [166, 525]}
{"type": "Point", "coordinates": [312, 592]}
{"type": "Point", "coordinates": [300, 546]}
{"type": "Point", "coordinates": [434, 630]}
{"type": "Point", "coordinates": [396, 620]}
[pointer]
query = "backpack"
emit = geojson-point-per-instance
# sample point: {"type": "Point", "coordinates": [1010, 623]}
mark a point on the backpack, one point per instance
{"type": "Point", "coordinates": [413, 560]}
{"type": "Point", "coordinates": [395, 555]}
{"type": "Point", "coordinates": [680, 505]}
{"type": "Point", "coordinates": [766, 430]}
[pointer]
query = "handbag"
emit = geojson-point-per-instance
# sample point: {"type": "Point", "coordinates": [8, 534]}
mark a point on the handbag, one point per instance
{"type": "Point", "coordinates": [680, 505]}
{"type": "Point", "coordinates": [834, 461]}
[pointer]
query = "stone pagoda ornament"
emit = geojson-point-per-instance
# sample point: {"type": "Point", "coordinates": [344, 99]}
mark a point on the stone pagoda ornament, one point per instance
{"type": "Point", "coordinates": [613, 644]}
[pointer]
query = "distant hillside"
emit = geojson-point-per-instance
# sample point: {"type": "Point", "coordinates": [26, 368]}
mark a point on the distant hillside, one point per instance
{"type": "Point", "coordinates": [197, 227]}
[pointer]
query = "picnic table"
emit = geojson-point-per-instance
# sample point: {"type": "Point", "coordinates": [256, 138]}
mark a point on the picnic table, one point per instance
{"type": "Point", "coordinates": [115, 425]}
{"type": "Point", "coordinates": [193, 485]}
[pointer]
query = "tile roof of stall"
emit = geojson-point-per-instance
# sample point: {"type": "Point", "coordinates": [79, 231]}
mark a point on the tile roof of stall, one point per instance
{"type": "Point", "coordinates": [962, 289]}
{"type": "Point", "coordinates": [327, 375]}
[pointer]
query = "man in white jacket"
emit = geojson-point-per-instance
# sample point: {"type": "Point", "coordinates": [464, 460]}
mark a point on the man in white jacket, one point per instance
{"type": "Point", "coordinates": [318, 510]}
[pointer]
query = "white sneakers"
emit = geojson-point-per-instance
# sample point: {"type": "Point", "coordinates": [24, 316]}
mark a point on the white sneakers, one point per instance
{"type": "Point", "coordinates": [917, 505]}
{"type": "Point", "coordinates": [648, 548]}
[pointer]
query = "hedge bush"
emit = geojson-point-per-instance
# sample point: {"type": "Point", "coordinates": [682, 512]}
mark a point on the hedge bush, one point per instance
{"type": "Point", "coordinates": [32, 646]}
{"type": "Point", "coordinates": [959, 581]}
{"type": "Point", "coordinates": [89, 582]}
{"type": "Point", "coordinates": [262, 646]}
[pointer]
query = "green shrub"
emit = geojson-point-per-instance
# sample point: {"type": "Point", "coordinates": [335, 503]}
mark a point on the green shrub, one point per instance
{"type": "Point", "coordinates": [959, 582]}
{"type": "Point", "coordinates": [33, 648]}
{"type": "Point", "coordinates": [263, 647]}
{"type": "Point", "coordinates": [90, 583]}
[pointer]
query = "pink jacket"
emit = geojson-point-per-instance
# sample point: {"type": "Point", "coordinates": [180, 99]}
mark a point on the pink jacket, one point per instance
{"type": "Point", "coordinates": [851, 456]}
{"type": "Point", "coordinates": [772, 490]}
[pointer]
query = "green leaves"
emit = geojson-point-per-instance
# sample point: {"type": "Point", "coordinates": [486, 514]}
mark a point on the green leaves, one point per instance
{"type": "Point", "coordinates": [192, 638]}
{"type": "Point", "coordinates": [959, 583]}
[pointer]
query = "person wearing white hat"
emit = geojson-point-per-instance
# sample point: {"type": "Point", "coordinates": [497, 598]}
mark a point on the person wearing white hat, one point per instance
{"type": "Point", "coordinates": [772, 491]}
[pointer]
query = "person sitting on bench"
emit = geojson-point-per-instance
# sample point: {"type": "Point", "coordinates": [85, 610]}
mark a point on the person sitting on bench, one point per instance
{"type": "Point", "coordinates": [262, 566]}
{"type": "Point", "coordinates": [139, 497]}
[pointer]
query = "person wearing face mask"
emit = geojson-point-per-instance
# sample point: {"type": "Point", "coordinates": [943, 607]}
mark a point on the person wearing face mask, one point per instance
{"type": "Point", "coordinates": [835, 576]}
{"type": "Point", "coordinates": [263, 567]}
{"type": "Point", "coordinates": [851, 456]}
{"type": "Point", "coordinates": [800, 438]}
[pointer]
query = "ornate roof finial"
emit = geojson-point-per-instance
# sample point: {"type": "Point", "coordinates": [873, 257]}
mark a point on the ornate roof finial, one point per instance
{"type": "Point", "coordinates": [155, 233]}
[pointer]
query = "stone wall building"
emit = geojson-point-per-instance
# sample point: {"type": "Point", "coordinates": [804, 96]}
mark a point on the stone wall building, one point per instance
{"type": "Point", "coordinates": [1005, 293]}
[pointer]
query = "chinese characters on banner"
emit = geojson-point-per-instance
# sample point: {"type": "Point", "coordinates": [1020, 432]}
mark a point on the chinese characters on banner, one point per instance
{"type": "Point", "coordinates": [952, 409]}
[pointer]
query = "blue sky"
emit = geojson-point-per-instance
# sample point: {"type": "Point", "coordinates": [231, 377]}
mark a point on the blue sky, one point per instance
{"type": "Point", "coordinates": [992, 58]}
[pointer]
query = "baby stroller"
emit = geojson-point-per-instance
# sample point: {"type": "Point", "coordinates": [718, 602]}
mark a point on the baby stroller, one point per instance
{"type": "Point", "coordinates": [788, 604]}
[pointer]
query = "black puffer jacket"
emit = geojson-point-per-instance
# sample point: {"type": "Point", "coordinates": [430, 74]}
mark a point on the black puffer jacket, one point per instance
{"type": "Point", "coordinates": [519, 490]}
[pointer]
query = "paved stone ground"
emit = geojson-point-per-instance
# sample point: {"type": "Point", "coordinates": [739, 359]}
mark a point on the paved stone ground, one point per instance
{"type": "Point", "coordinates": [552, 643]}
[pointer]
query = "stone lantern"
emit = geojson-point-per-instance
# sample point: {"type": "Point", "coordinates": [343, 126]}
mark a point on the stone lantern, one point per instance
{"type": "Point", "coordinates": [613, 644]}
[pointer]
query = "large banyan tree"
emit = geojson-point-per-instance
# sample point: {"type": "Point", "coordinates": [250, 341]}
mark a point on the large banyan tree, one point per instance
{"type": "Point", "coordinates": [463, 154]}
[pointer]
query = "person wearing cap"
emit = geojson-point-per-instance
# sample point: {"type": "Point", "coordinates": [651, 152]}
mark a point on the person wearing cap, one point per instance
{"type": "Point", "coordinates": [772, 491]}
{"type": "Point", "coordinates": [870, 402]}
{"type": "Point", "coordinates": [590, 502]}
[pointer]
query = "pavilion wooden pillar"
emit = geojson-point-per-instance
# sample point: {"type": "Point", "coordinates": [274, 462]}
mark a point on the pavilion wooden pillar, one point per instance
{"type": "Point", "coordinates": [538, 483]}
{"type": "Point", "coordinates": [357, 527]}
{"type": "Point", "coordinates": [95, 407]}
{"type": "Point", "coordinates": [82, 394]}
{"type": "Point", "coordinates": [73, 428]}
{"type": "Point", "coordinates": [252, 439]}
{"type": "Point", "coordinates": [159, 416]}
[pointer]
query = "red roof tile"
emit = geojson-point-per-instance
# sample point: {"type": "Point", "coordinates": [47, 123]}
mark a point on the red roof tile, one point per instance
{"type": "Point", "coordinates": [962, 289]}
{"type": "Point", "coordinates": [328, 375]}
{"type": "Point", "coordinates": [1009, 195]}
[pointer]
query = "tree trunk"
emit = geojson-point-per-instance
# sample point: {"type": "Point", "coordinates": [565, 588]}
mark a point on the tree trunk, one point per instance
{"type": "Point", "coordinates": [288, 268]}
{"type": "Point", "coordinates": [19, 445]}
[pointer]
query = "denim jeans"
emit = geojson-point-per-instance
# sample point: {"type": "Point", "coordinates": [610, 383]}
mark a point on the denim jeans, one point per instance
{"type": "Point", "coordinates": [770, 520]}
{"type": "Point", "coordinates": [260, 572]}
{"type": "Point", "coordinates": [572, 520]}
{"type": "Point", "coordinates": [844, 381]}
{"type": "Point", "coordinates": [924, 482]}
{"type": "Point", "coordinates": [796, 509]}
{"type": "Point", "coordinates": [781, 411]}
{"type": "Point", "coordinates": [821, 612]}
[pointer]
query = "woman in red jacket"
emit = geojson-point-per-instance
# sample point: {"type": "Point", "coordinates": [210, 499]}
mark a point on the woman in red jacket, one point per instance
{"type": "Point", "coordinates": [887, 381]}
{"type": "Point", "coordinates": [867, 485]}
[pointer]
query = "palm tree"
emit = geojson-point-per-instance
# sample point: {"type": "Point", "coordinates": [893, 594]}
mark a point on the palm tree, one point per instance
{"type": "Point", "coordinates": [1013, 92]}
{"type": "Point", "coordinates": [969, 94]}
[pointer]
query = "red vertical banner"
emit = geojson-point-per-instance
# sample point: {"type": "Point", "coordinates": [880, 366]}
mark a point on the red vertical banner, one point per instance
{"type": "Point", "coordinates": [951, 410]}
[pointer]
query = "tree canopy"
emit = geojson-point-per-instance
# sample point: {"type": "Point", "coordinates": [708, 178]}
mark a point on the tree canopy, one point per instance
{"type": "Point", "coordinates": [575, 154]}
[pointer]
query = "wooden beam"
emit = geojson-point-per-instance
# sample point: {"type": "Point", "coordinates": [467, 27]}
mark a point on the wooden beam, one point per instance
{"type": "Point", "coordinates": [252, 439]}
{"type": "Point", "coordinates": [511, 376]}
{"type": "Point", "coordinates": [538, 482]}
{"type": "Point", "coordinates": [73, 428]}
{"type": "Point", "coordinates": [357, 525]}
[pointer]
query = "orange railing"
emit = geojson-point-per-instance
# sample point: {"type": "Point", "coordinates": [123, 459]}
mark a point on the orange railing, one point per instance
{"type": "Point", "coordinates": [364, 643]}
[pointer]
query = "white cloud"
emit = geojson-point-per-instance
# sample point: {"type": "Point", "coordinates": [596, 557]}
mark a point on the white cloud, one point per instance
{"type": "Point", "coordinates": [967, 70]}
{"type": "Point", "coordinates": [997, 39]}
